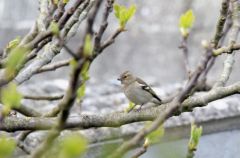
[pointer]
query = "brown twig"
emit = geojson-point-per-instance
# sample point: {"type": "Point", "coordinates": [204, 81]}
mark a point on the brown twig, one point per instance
{"type": "Point", "coordinates": [50, 98]}
{"type": "Point", "coordinates": [91, 18]}
{"type": "Point", "coordinates": [111, 39]}
{"type": "Point", "coordinates": [140, 151]}
{"type": "Point", "coordinates": [228, 64]}
{"type": "Point", "coordinates": [184, 48]}
{"type": "Point", "coordinates": [103, 27]}
{"type": "Point", "coordinates": [54, 66]}
{"type": "Point", "coordinates": [66, 16]}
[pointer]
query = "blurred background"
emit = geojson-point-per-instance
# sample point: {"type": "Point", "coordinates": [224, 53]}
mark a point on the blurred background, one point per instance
{"type": "Point", "coordinates": [150, 46]}
{"type": "Point", "coordinates": [149, 49]}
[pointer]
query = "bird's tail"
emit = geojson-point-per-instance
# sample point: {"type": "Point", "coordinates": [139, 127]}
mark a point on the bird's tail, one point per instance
{"type": "Point", "coordinates": [157, 101]}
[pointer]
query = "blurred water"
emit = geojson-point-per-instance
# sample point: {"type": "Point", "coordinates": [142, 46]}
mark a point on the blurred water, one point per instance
{"type": "Point", "coordinates": [217, 145]}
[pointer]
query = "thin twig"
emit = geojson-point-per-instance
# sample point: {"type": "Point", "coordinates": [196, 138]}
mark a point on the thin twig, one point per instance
{"type": "Point", "coordinates": [50, 98]}
{"type": "Point", "coordinates": [111, 39]}
{"type": "Point", "coordinates": [103, 27]}
{"type": "Point", "coordinates": [54, 66]}
{"type": "Point", "coordinates": [184, 48]}
{"type": "Point", "coordinates": [140, 152]}
{"type": "Point", "coordinates": [228, 64]}
{"type": "Point", "coordinates": [91, 18]}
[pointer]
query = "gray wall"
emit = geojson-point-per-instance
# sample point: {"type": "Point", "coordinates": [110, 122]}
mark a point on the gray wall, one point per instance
{"type": "Point", "coordinates": [150, 46]}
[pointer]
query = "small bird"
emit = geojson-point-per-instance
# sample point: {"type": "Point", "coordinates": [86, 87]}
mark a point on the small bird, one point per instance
{"type": "Point", "coordinates": [136, 90]}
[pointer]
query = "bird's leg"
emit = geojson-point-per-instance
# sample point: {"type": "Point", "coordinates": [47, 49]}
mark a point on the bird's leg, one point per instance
{"type": "Point", "coordinates": [139, 109]}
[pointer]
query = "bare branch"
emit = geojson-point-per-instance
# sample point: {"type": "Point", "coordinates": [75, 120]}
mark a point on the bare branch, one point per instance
{"type": "Point", "coordinates": [103, 27]}
{"type": "Point", "coordinates": [91, 18]}
{"type": "Point", "coordinates": [140, 151]}
{"type": "Point", "coordinates": [184, 48]}
{"type": "Point", "coordinates": [117, 119]}
{"type": "Point", "coordinates": [111, 39]}
{"type": "Point", "coordinates": [54, 66]}
{"type": "Point", "coordinates": [228, 64]}
{"type": "Point", "coordinates": [50, 98]}
{"type": "Point", "coordinates": [65, 106]}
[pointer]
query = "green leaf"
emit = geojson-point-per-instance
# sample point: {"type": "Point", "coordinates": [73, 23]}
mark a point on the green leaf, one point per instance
{"type": "Point", "coordinates": [131, 105]}
{"type": "Point", "coordinates": [54, 28]}
{"type": "Point", "coordinates": [88, 47]}
{"type": "Point", "coordinates": [84, 76]}
{"type": "Point", "coordinates": [81, 92]}
{"type": "Point", "coordinates": [187, 19]}
{"type": "Point", "coordinates": [156, 135]}
{"type": "Point", "coordinates": [186, 22]}
{"type": "Point", "coordinates": [7, 147]}
{"type": "Point", "coordinates": [196, 133]}
{"type": "Point", "coordinates": [130, 12]}
{"type": "Point", "coordinates": [117, 10]}
{"type": "Point", "coordinates": [73, 146]}
{"type": "Point", "coordinates": [73, 63]}
{"type": "Point", "coordinates": [13, 44]}
{"type": "Point", "coordinates": [15, 60]}
{"type": "Point", "coordinates": [10, 96]}
{"type": "Point", "coordinates": [85, 71]}
{"type": "Point", "coordinates": [65, 1]}
{"type": "Point", "coordinates": [124, 14]}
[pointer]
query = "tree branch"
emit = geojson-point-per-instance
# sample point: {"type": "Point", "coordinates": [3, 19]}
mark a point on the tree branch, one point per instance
{"type": "Point", "coordinates": [50, 98]}
{"type": "Point", "coordinates": [117, 119]}
{"type": "Point", "coordinates": [228, 64]}
{"type": "Point", "coordinates": [54, 66]}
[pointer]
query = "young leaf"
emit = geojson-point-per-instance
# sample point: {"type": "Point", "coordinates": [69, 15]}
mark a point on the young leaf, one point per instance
{"type": "Point", "coordinates": [196, 133]}
{"type": "Point", "coordinates": [85, 76]}
{"type": "Point", "coordinates": [131, 105]}
{"type": "Point", "coordinates": [117, 11]}
{"type": "Point", "coordinates": [13, 44]}
{"type": "Point", "coordinates": [7, 146]}
{"type": "Point", "coordinates": [156, 135]}
{"type": "Point", "coordinates": [187, 19]}
{"type": "Point", "coordinates": [130, 12]}
{"type": "Point", "coordinates": [73, 63]}
{"type": "Point", "coordinates": [186, 22]}
{"type": "Point", "coordinates": [81, 92]}
{"type": "Point", "coordinates": [15, 60]}
{"type": "Point", "coordinates": [88, 48]}
{"type": "Point", "coordinates": [124, 14]}
{"type": "Point", "coordinates": [54, 28]}
{"type": "Point", "coordinates": [10, 96]}
{"type": "Point", "coordinates": [73, 146]}
{"type": "Point", "coordinates": [85, 71]}
{"type": "Point", "coordinates": [65, 1]}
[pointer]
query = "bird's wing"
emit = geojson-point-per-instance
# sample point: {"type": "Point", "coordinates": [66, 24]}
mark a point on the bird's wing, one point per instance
{"type": "Point", "coordinates": [146, 87]}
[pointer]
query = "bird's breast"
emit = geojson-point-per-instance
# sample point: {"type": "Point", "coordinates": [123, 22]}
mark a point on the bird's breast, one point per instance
{"type": "Point", "coordinates": [137, 95]}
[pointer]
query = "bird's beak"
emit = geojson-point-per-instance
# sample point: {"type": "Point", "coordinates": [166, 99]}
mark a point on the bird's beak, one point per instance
{"type": "Point", "coordinates": [119, 79]}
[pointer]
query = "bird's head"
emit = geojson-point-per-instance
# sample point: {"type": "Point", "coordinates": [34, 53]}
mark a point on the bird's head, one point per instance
{"type": "Point", "coordinates": [127, 78]}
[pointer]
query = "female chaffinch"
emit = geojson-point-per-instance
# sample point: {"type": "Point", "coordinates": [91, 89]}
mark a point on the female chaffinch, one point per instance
{"type": "Point", "coordinates": [136, 90]}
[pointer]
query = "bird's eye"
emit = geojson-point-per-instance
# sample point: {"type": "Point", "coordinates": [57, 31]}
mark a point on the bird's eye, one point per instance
{"type": "Point", "coordinates": [124, 76]}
